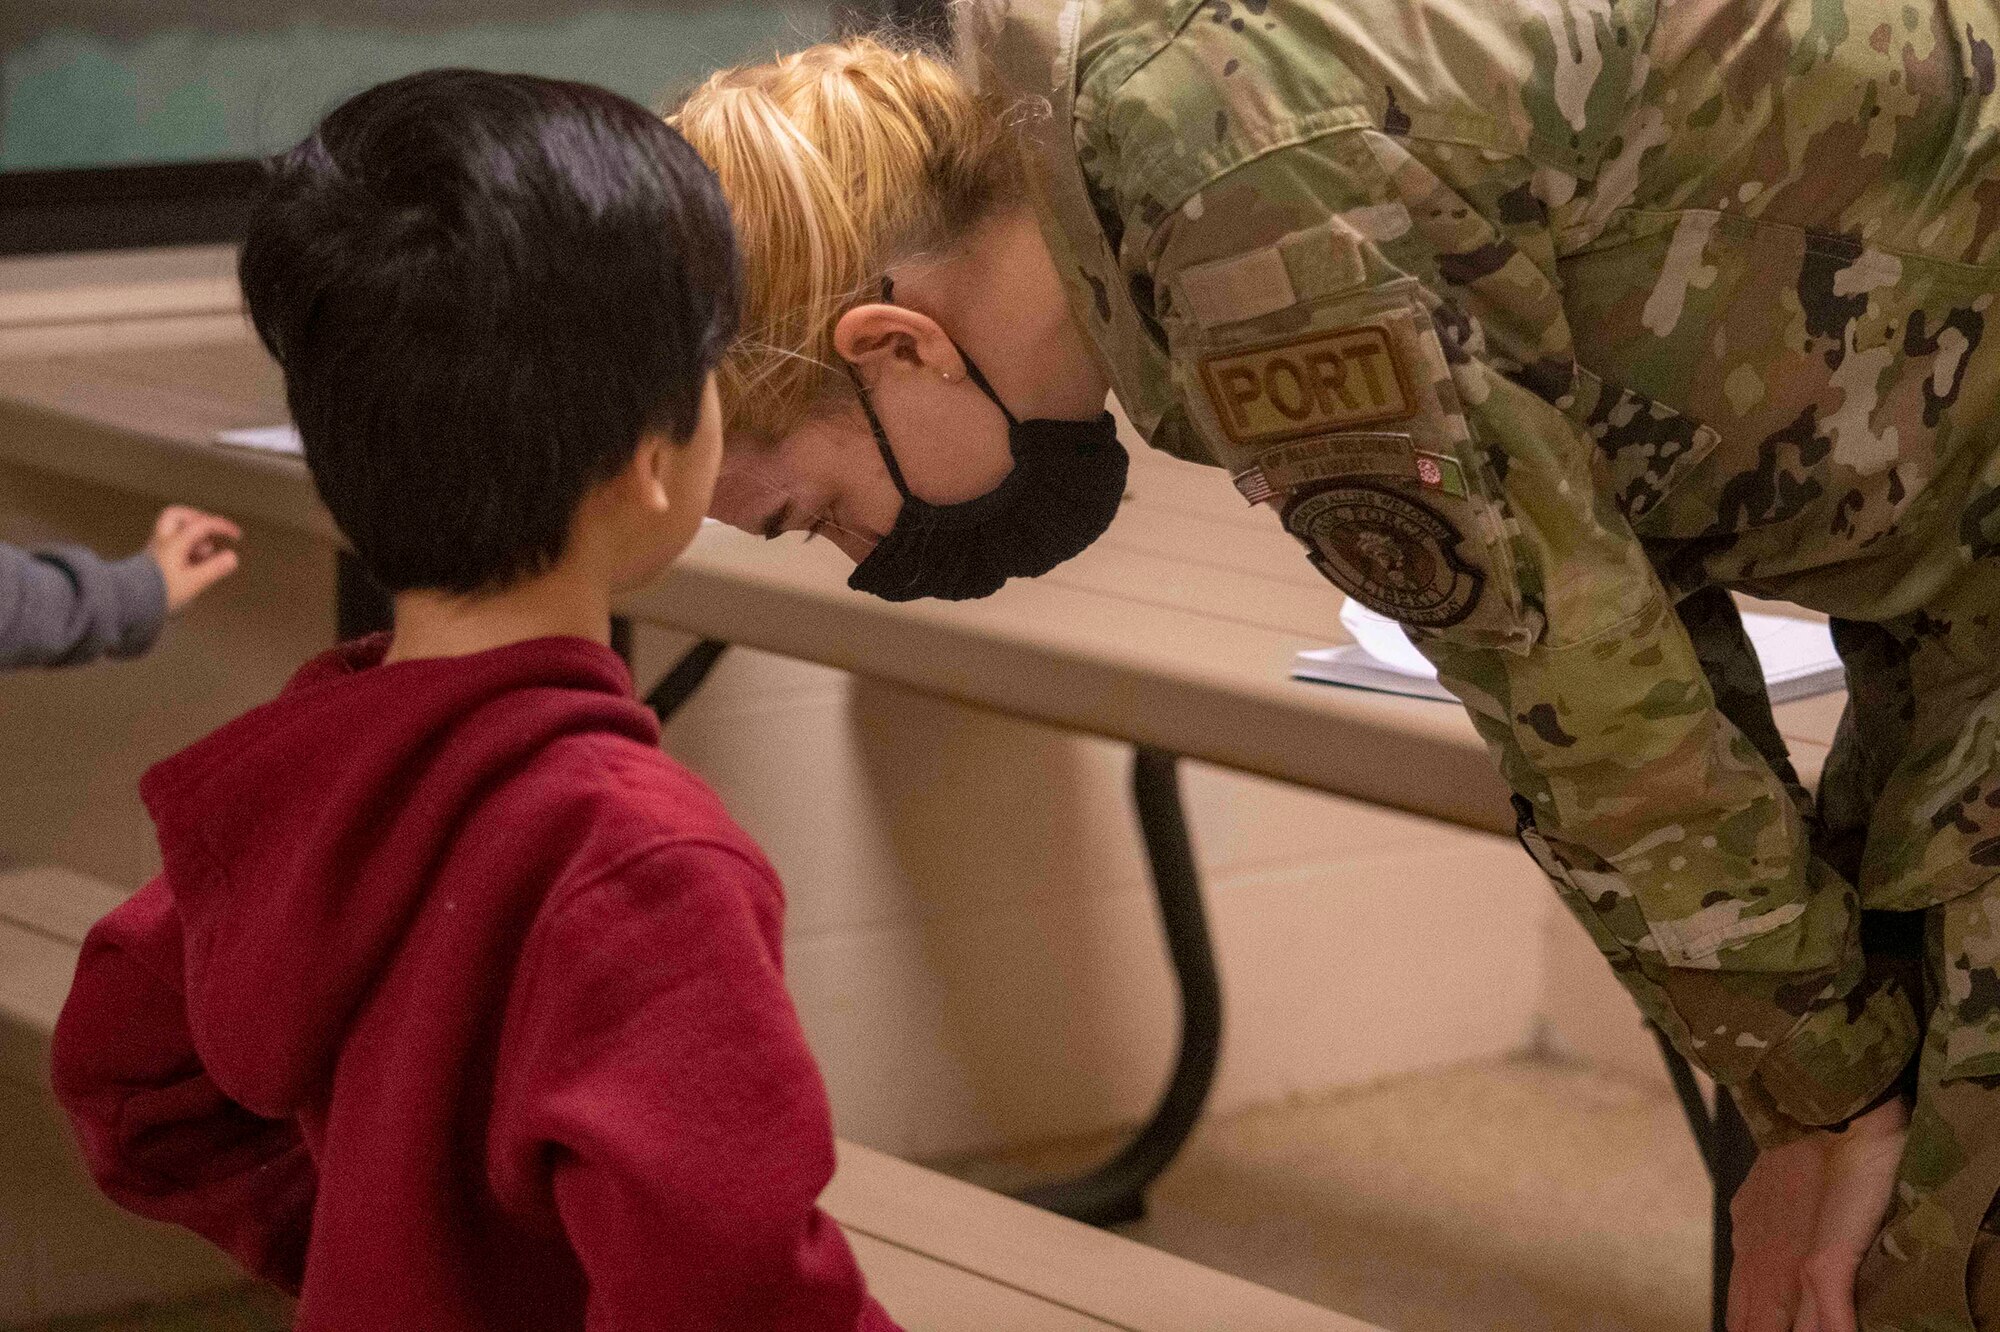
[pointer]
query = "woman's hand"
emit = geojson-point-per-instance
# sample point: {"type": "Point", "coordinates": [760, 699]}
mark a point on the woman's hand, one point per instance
{"type": "Point", "coordinates": [1772, 1219]}
{"type": "Point", "coordinates": [1860, 1180]}
{"type": "Point", "coordinates": [193, 551]}
{"type": "Point", "coordinates": [1803, 1220]}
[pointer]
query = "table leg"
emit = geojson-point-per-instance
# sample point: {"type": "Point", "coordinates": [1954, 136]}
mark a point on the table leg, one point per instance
{"type": "Point", "coordinates": [1115, 1192]}
{"type": "Point", "coordinates": [1727, 1149]}
{"type": "Point", "coordinates": [1735, 1151]}
{"type": "Point", "coordinates": [683, 679]}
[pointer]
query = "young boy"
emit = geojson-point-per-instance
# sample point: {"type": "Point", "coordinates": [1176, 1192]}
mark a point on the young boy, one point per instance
{"type": "Point", "coordinates": [458, 1006]}
{"type": "Point", "coordinates": [65, 606]}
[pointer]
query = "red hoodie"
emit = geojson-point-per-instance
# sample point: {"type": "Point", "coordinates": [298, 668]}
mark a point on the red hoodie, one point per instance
{"type": "Point", "coordinates": [459, 1006]}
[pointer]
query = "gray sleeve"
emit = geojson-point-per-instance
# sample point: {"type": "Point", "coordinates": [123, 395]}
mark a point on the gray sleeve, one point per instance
{"type": "Point", "coordinates": [65, 606]}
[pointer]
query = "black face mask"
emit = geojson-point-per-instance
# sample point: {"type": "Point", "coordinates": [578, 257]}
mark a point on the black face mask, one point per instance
{"type": "Point", "coordinates": [1064, 490]}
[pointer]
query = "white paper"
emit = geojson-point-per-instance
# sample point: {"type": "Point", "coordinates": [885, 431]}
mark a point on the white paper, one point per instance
{"type": "Point", "coordinates": [1384, 641]}
{"type": "Point", "coordinates": [283, 439]}
{"type": "Point", "coordinates": [1798, 657]}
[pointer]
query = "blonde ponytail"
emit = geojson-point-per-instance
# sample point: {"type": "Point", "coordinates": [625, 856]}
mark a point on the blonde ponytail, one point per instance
{"type": "Point", "coordinates": [838, 162]}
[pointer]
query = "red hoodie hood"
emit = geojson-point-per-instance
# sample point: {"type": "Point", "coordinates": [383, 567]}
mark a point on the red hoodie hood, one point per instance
{"type": "Point", "coordinates": [300, 839]}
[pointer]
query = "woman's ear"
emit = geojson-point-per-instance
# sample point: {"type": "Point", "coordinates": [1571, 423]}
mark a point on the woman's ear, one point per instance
{"type": "Point", "coordinates": [879, 339]}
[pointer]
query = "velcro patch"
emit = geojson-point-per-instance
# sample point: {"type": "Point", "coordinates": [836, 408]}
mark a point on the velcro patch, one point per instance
{"type": "Point", "coordinates": [1328, 458]}
{"type": "Point", "coordinates": [1316, 384]}
{"type": "Point", "coordinates": [1250, 286]}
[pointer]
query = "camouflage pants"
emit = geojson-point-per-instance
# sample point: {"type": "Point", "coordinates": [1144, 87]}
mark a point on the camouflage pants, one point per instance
{"type": "Point", "coordinates": [1909, 810]}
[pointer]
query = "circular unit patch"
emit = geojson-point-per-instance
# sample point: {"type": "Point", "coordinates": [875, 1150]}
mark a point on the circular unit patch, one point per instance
{"type": "Point", "coordinates": [1391, 552]}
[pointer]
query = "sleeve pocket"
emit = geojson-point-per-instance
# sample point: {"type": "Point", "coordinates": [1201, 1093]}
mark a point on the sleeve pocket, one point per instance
{"type": "Point", "coordinates": [1645, 447]}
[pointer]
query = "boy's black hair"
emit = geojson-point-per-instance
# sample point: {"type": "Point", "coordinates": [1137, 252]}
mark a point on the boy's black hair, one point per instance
{"type": "Point", "coordinates": [483, 290]}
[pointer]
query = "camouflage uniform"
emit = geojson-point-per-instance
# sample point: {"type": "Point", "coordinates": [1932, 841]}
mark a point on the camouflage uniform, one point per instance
{"type": "Point", "coordinates": [1541, 324]}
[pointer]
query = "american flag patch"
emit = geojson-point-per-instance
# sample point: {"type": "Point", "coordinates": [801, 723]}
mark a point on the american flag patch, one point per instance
{"type": "Point", "coordinates": [1253, 486]}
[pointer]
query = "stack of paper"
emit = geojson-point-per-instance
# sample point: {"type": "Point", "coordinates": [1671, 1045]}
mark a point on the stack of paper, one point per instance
{"type": "Point", "coordinates": [1798, 657]}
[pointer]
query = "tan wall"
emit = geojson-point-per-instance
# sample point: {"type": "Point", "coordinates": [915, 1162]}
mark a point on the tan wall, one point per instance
{"type": "Point", "coordinates": [972, 940]}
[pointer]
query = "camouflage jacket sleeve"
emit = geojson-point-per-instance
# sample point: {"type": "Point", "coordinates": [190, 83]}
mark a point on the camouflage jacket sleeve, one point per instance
{"type": "Point", "coordinates": [1374, 343]}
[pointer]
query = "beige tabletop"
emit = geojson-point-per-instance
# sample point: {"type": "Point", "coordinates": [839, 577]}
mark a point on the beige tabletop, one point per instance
{"type": "Point", "coordinates": [1177, 629]}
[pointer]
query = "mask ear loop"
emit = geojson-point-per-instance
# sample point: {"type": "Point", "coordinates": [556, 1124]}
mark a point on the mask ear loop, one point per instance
{"type": "Point", "coordinates": [881, 435]}
{"type": "Point", "coordinates": [978, 378]}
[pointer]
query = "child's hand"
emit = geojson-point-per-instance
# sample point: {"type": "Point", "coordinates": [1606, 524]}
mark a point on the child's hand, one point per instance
{"type": "Point", "coordinates": [193, 551]}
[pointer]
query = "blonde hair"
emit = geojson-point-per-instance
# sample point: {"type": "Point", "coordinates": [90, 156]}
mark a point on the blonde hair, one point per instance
{"type": "Point", "coordinates": [838, 162]}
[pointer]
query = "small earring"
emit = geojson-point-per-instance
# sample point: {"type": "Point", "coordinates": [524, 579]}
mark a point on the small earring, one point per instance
{"type": "Point", "coordinates": [945, 375]}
